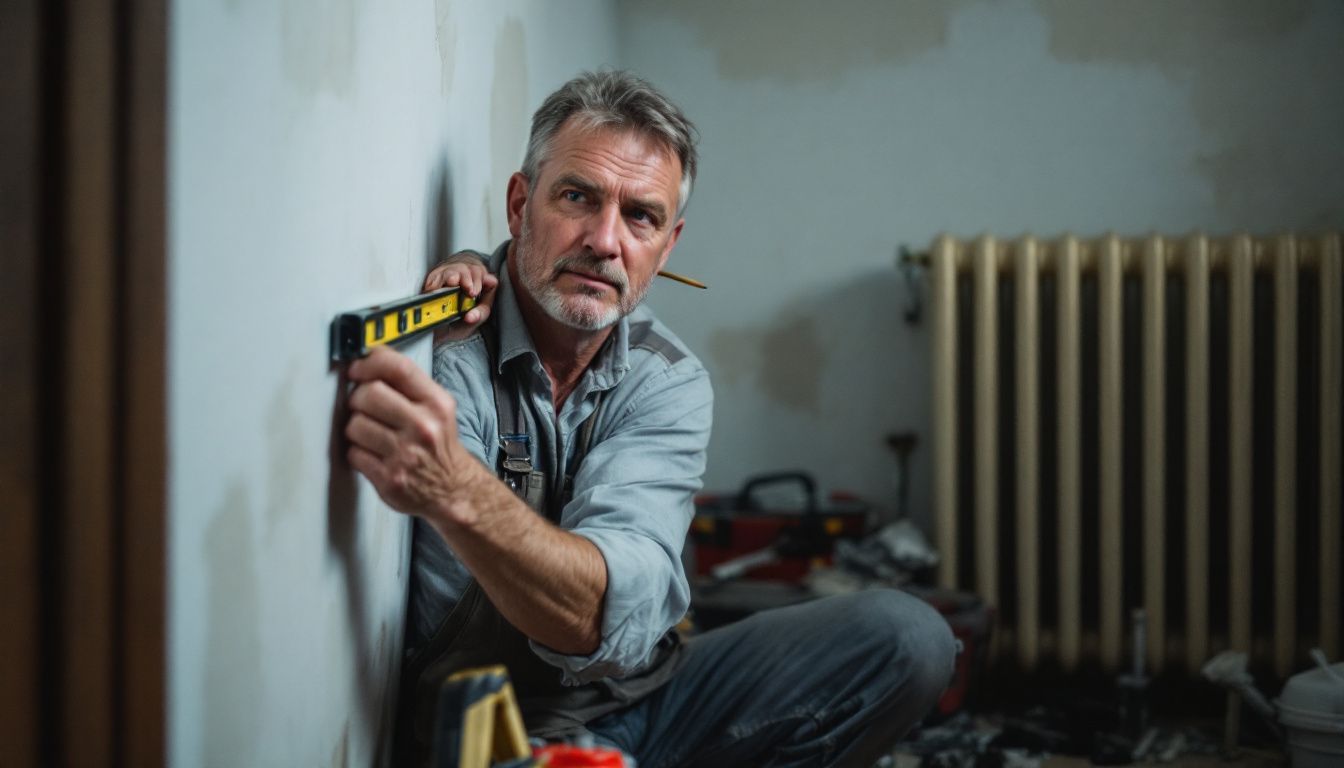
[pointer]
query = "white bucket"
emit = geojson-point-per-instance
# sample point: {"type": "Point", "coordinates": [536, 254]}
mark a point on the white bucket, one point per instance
{"type": "Point", "coordinates": [1311, 709]}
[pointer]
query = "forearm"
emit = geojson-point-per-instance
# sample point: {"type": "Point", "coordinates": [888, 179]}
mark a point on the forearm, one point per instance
{"type": "Point", "coordinates": [547, 582]}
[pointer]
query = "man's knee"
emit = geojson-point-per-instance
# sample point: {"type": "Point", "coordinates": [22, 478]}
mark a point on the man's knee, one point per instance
{"type": "Point", "coordinates": [916, 639]}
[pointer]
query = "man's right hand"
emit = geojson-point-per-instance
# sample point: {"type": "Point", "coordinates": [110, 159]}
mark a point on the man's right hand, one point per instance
{"type": "Point", "coordinates": [466, 270]}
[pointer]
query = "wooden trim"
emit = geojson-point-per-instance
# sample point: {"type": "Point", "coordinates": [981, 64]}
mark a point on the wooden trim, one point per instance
{"type": "Point", "coordinates": [88, 362]}
{"type": "Point", "coordinates": [82, 308]}
{"type": "Point", "coordinates": [143, 305]}
{"type": "Point", "coordinates": [20, 598]}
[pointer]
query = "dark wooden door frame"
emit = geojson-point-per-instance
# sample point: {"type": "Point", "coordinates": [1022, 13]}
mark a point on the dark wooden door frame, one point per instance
{"type": "Point", "coordinates": [82, 366]}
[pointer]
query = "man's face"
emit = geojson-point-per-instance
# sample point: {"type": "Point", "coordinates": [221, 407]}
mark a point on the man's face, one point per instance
{"type": "Point", "coordinates": [597, 224]}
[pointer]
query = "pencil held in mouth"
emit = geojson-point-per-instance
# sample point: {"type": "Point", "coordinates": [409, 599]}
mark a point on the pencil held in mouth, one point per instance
{"type": "Point", "coordinates": [681, 279]}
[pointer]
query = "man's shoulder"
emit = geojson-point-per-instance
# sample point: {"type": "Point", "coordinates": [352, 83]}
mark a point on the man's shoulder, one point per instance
{"type": "Point", "coordinates": [665, 381]}
{"type": "Point", "coordinates": [654, 344]}
{"type": "Point", "coordinates": [462, 364]}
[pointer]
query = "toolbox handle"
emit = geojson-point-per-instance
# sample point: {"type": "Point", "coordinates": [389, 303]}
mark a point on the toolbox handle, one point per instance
{"type": "Point", "coordinates": [746, 502]}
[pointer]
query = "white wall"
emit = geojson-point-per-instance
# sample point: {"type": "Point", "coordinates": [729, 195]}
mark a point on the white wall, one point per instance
{"type": "Point", "coordinates": [831, 138]}
{"type": "Point", "coordinates": [320, 153]}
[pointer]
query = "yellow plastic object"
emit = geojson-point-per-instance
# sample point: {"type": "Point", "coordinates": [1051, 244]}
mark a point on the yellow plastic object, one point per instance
{"type": "Point", "coordinates": [353, 334]}
{"type": "Point", "coordinates": [478, 722]}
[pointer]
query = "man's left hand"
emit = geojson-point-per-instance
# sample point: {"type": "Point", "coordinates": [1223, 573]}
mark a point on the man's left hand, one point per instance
{"type": "Point", "coordinates": [466, 270]}
{"type": "Point", "coordinates": [403, 434]}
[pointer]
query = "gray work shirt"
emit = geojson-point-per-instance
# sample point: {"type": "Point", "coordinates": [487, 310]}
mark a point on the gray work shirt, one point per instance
{"type": "Point", "coordinates": [633, 494]}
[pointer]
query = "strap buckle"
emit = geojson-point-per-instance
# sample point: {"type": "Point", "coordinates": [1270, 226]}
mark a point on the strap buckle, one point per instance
{"type": "Point", "coordinates": [517, 453]}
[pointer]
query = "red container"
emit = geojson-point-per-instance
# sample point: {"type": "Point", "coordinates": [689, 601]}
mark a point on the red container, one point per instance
{"type": "Point", "coordinates": [564, 756]}
{"type": "Point", "coordinates": [731, 526]}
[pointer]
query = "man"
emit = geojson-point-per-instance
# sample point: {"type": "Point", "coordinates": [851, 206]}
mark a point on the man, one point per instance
{"type": "Point", "coordinates": [551, 465]}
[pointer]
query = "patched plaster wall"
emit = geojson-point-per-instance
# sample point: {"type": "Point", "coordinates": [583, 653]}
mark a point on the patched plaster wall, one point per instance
{"type": "Point", "coordinates": [834, 134]}
{"type": "Point", "coordinates": [321, 154]}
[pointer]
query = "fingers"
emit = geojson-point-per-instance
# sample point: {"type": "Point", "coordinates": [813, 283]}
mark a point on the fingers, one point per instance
{"type": "Point", "coordinates": [467, 271]}
{"type": "Point", "coordinates": [367, 464]}
{"type": "Point", "coordinates": [382, 403]}
{"type": "Point", "coordinates": [443, 276]}
{"type": "Point", "coordinates": [484, 301]}
{"type": "Point", "coordinates": [402, 431]}
{"type": "Point", "coordinates": [463, 270]}
{"type": "Point", "coordinates": [398, 372]}
{"type": "Point", "coordinates": [486, 284]}
{"type": "Point", "coordinates": [469, 276]}
{"type": "Point", "coordinates": [371, 435]}
{"type": "Point", "coordinates": [478, 314]}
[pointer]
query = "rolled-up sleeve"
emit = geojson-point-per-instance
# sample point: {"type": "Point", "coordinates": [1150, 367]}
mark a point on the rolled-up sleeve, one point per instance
{"type": "Point", "coordinates": [634, 500]}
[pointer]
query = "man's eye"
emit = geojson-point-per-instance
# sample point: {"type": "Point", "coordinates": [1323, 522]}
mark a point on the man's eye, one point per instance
{"type": "Point", "coordinates": [572, 195]}
{"type": "Point", "coordinates": [641, 216]}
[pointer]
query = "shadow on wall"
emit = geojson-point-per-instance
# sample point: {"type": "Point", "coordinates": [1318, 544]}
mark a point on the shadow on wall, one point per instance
{"type": "Point", "coordinates": [342, 524]}
{"type": "Point", "coordinates": [440, 217]}
{"type": "Point", "coordinates": [375, 689]}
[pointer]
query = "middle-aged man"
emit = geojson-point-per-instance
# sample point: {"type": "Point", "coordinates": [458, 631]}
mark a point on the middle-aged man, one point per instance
{"type": "Point", "coordinates": [550, 465]}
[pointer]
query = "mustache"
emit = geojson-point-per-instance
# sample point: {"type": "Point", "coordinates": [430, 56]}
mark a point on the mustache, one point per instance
{"type": "Point", "coordinates": [592, 264]}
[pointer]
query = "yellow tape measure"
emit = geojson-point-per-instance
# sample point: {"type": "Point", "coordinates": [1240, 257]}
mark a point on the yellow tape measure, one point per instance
{"type": "Point", "coordinates": [353, 334]}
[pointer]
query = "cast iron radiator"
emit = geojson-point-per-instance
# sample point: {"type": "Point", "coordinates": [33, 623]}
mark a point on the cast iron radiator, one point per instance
{"type": "Point", "coordinates": [1154, 423]}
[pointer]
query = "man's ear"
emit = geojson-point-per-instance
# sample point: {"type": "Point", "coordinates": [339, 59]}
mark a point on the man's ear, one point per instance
{"type": "Point", "coordinates": [516, 200]}
{"type": "Point", "coordinates": [671, 243]}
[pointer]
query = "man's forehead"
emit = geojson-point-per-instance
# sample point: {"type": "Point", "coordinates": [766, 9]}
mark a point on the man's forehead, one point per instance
{"type": "Point", "coordinates": [579, 142]}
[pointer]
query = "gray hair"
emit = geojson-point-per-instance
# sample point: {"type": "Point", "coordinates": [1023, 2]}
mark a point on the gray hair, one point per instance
{"type": "Point", "coordinates": [617, 99]}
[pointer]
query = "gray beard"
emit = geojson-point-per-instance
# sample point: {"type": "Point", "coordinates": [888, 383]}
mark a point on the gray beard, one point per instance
{"type": "Point", "coordinates": [584, 318]}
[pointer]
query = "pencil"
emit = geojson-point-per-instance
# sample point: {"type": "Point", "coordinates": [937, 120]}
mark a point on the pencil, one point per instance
{"type": "Point", "coordinates": [681, 279]}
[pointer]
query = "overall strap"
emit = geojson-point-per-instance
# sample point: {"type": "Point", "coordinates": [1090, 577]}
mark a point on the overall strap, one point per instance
{"type": "Point", "coordinates": [514, 443]}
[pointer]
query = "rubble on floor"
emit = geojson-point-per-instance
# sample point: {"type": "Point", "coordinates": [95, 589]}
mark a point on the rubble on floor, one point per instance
{"type": "Point", "coordinates": [1030, 739]}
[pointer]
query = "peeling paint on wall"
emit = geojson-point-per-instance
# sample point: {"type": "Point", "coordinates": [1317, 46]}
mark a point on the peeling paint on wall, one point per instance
{"type": "Point", "coordinates": [488, 216]}
{"type": "Point", "coordinates": [509, 119]}
{"type": "Point", "coordinates": [785, 360]}
{"type": "Point", "coordinates": [445, 39]}
{"type": "Point", "coordinates": [796, 40]}
{"type": "Point", "coordinates": [319, 45]}
{"type": "Point", "coordinates": [1231, 59]}
{"type": "Point", "coordinates": [1176, 37]}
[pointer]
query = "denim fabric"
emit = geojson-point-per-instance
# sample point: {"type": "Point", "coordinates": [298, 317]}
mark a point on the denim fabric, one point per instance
{"type": "Point", "coordinates": [833, 682]}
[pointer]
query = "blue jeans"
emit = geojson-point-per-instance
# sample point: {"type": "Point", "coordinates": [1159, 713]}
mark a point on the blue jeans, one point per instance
{"type": "Point", "coordinates": [832, 682]}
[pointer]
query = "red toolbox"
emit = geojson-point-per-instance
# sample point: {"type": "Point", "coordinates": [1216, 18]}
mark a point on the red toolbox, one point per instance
{"type": "Point", "coordinates": [738, 534]}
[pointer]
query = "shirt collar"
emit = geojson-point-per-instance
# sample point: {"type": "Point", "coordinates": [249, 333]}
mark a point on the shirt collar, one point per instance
{"type": "Point", "coordinates": [606, 369]}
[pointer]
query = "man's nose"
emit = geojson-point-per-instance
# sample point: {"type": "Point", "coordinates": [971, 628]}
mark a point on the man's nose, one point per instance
{"type": "Point", "coordinates": [604, 232]}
